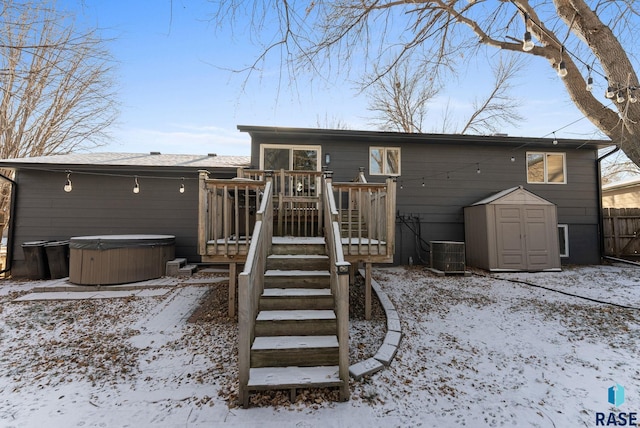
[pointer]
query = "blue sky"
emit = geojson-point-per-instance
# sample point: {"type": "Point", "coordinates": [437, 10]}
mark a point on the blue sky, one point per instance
{"type": "Point", "coordinates": [178, 94]}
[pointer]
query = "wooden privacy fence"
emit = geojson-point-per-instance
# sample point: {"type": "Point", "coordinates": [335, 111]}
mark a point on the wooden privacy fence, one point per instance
{"type": "Point", "coordinates": [621, 231]}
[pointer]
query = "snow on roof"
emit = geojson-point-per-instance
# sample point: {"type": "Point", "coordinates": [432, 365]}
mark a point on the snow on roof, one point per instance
{"type": "Point", "coordinates": [134, 159]}
{"type": "Point", "coordinates": [629, 182]}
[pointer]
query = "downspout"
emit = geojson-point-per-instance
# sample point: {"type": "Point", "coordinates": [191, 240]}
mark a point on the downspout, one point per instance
{"type": "Point", "coordinates": [600, 216]}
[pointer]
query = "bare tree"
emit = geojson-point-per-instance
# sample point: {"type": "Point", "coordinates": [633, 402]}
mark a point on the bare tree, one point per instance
{"type": "Point", "coordinates": [581, 39]}
{"type": "Point", "coordinates": [497, 107]}
{"type": "Point", "coordinates": [56, 95]}
{"type": "Point", "coordinates": [400, 99]}
{"type": "Point", "coordinates": [618, 167]}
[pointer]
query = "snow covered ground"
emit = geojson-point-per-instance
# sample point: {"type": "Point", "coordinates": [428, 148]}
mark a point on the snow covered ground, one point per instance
{"type": "Point", "coordinates": [477, 351]}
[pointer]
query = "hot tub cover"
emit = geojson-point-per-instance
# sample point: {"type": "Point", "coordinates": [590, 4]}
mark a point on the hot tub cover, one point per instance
{"type": "Point", "coordinates": [109, 242]}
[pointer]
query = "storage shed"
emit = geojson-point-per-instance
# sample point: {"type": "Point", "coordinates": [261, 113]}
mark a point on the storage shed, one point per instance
{"type": "Point", "coordinates": [512, 230]}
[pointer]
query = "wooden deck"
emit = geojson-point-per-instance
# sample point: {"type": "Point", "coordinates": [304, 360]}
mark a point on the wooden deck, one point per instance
{"type": "Point", "coordinates": [296, 234]}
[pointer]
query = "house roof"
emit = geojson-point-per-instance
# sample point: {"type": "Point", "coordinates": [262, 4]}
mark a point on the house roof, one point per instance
{"type": "Point", "coordinates": [514, 195]}
{"type": "Point", "coordinates": [128, 160]}
{"type": "Point", "coordinates": [629, 183]}
{"type": "Point", "coordinates": [398, 137]}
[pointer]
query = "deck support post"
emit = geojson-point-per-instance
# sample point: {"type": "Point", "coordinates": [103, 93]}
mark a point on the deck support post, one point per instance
{"type": "Point", "coordinates": [367, 291]}
{"type": "Point", "coordinates": [233, 281]}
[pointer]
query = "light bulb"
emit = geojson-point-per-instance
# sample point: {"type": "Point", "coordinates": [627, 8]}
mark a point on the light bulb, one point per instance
{"type": "Point", "coordinates": [478, 170]}
{"type": "Point", "coordinates": [527, 43]}
{"type": "Point", "coordinates": [136, 187]}
{"type": "Point", "coordinates": [632, 97]}
{"type": "Point", "coordinates": [562, 69]}
{"type": "Point", "coordinates": [68, 186]}
{"type": "Point", "coordinates": [610, 93]}
{"type": "Point", "coordinates": [619, 97]}
{"type": "Point", "coordinates": [589, 84]}
{"type": "Point", "coordinates": [182, 188]}
{"type": "Point", "coordinates": [513, 158]}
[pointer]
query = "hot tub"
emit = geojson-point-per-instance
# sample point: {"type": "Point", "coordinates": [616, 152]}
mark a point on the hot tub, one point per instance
{"type": "Point", "coordinates": [118, 259]}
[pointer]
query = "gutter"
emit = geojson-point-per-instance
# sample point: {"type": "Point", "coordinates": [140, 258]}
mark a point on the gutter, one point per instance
{"type": "Point", "coordinates": [600, 216]}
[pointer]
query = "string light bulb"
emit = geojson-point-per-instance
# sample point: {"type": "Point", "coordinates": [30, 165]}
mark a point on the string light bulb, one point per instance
{"type": "Point", "coordinates": [632, 96]}
{"type": "Point", "coordinates": [136, 186]}
{"type": "Point", "coordinates": [478, 169]}
{"type": "Point", "coordinates": [610, 92]}
{"type": "Point", "coordinates": [562, 67]}
{"type": "Point", "coordinates": [423, 182]}
{"type": "Point", "coordinates": [68, 187]}
{"type": "Point", "coordinates": [555, 139]}
{"type": "Point", "coordinates": [527, 43]}
{"type": "Point", "coordinates": [620, 97]}
{"type": "Point", "coordinates": [182, 186]}
{"type": "Point", "coordinates": [589, 86]}
{"type": "Point", "coordinates": [513, 158]}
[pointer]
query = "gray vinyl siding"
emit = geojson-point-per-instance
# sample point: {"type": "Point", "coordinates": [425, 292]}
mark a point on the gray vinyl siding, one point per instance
{"type": "Point", "coordinates": [451, 183]}
{"type": "Point", "coordinates": [105, 205]}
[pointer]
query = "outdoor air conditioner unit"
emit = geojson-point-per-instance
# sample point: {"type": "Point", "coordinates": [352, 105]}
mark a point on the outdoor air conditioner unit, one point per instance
{"type": "Point", "coordinates": [448, 256]}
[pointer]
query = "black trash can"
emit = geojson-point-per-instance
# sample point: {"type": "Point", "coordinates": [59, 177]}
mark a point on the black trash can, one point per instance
{"type": "Point", "coordinates": [58, 258]}
{"type": "Point", "coordinates": [35, 259]}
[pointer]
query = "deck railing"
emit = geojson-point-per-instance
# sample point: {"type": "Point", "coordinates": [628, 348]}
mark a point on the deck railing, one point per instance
{"type": "Point", "coordinates": [297, 201]}
{"type": "Point", "coordinates": [251, 284]}
{"type": "Point", "coordinates": [367, 218]}
{"type": "Point", "coordinates": [227, 214]}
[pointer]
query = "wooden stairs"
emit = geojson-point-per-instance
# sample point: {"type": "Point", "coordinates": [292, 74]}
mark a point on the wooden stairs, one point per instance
{"type": "Point", "coordinates": [296, 343]}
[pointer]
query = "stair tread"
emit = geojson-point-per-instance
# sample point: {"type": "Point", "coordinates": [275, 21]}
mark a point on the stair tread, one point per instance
{"type": "Point", "coordinates": [294, 342]}
{"type": "Point", "coordinates": [278, 272]}
{"type": "Point", "coordinates": [298, 256]}
{"type": "Point", "coordinates": [297, 240]}
{"type": "Point", "coordinates": [293, 376]}
{"type": "Point", "coordinates": [296, 315]}
{"type": "Point", "coordinates": [296, 292]}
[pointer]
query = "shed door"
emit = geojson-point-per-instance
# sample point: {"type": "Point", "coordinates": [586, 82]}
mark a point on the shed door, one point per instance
{"type": "Point", "coordinates": [525, 237]}
{"type": "Point", "coordinates": [510, 242]}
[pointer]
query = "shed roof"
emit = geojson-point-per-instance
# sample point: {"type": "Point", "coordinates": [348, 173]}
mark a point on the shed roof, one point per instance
{"type": "Point", "coordinates": [152, 159]}
{"type": "Point", "coordinates": [513, 196]}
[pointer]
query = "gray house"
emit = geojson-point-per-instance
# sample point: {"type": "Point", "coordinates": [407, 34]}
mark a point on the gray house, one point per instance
{"type": "Point", "coordinates": [58, 197]}
{"type": "Point", "coordinates": [439, 175]}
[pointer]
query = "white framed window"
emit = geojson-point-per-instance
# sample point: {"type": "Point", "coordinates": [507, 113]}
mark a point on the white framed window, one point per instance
{"type": "Point", "coordinates": [289, 157]}
{"type": "Point", "coordinates": [546, 168]}
{"type": "Point", "coordinates": [384, 161]}
{"type": "Point", "coordinates": [563, 239]}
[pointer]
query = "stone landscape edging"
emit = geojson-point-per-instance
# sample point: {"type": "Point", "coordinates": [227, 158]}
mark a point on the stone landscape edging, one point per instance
{"type": "Point", "coordinates": [389, 347]}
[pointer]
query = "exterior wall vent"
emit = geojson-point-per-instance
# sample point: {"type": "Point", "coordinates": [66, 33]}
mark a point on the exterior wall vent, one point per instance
{"type": "Point", "coordinates": [448, 256]}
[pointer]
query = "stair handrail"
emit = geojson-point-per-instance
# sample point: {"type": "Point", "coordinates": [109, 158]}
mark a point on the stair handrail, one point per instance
{"type": "Point", "coordinates": [251, 284]}
{"type": "Point", "coordinates": [339, 277]}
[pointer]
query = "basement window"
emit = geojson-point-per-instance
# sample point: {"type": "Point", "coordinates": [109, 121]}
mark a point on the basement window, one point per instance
{"type": "Point", "coordinates": [563, 239]}
{"type": "Point", "coordinates": [546, 168]}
